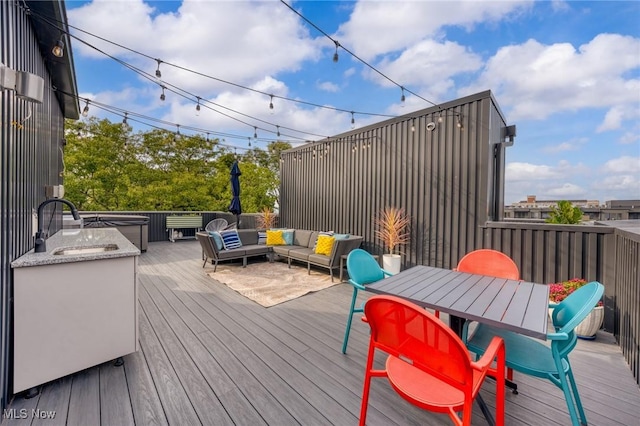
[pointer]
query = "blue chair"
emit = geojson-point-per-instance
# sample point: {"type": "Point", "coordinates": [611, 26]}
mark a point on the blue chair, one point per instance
{"type": "Point", "coordinates": [532, 357]}
{"type": "Point", "coordinates": [363, 269]}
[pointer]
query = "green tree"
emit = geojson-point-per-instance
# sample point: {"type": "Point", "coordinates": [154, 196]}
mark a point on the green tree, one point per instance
{"type": "Point", "coordinates": [108, 167]}
{"type": "Point", "coordinates": [565, 213]}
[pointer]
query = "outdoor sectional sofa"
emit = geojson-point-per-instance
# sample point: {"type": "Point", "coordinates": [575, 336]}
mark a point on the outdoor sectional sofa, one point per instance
{"type": "Point", "coordinates": [301, 249]}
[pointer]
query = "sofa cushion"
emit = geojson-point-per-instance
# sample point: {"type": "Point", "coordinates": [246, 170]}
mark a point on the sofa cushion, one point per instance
{"type": "Point", "coordinates": [341, 236]}
{"type": "Point", "coordinates": [287, 235]}
{"type": "Point", "coordinates": [248, 236]}
{"type": "Point", "coordinates": [256, 249]}
{"type": "Point", "coordinates": [301, 237]}
{"type": "Point", "coordinates": [230, 239]}
{"type": "Point", "coordinates": [315, 242]}
{"type": "Point", "coordinates": [274, 237]}
{"type": "Point", "coordinates": [319, 259]}
{"type": "Point", "coordinates": [324, 245]}
{"type": "Point", "coordinates": [262, 237]}
{"type": "Point", "coordinates": [231, 254]}
{"type": "Point", "coordinates": [282, 250]}
{"type": "Point", "coordinates": [300, 253]}
{"type": "Point", "coordinates": [217, 239]}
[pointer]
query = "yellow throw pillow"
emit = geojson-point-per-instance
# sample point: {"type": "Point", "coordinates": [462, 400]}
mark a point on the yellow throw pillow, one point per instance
{"type": "Point", "coordinates": [324, 244]}
{"type": "Point", "coordinates": [274, 238]}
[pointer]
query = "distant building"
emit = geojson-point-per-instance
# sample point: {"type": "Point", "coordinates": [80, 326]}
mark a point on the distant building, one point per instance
{"type": "Point", "coordinates": [531, 208]}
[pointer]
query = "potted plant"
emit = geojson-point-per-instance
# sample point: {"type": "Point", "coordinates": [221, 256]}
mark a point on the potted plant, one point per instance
{"type": "Point", "coordinates": [392, 227]}
{"type": "Point", "coordinates": [266, 219]}
{"type": "Point", "coordinates": [591, 324]}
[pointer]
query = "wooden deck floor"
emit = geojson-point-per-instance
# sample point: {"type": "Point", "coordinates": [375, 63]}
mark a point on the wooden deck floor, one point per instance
{"type": "Point", "coordinates": [210, 356]}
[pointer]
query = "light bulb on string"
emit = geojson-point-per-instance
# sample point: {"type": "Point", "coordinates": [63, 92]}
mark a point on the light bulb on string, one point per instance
{"type": "Point", "coordinates": [177, 135]}
{"type": "Point", "coordinates": [413, 125]}
{"type": "Point", "coordinates": [198, 106]}
{"type": "Point", "coordinates": [335, 55]}
{"type": "Point", "coordinates": [162, 96]}
{"type": "Point", "coordinates": [158, 73]}
{"type": "Point", "coordinates": [440, 117]}
{"type": "Point", "coordinates": [85, 110]}
{"type": "Point", "coordinates": [353, 121]}
{"type": "Point", "coordinates": [255, 132]}
{"type": "Point", "coordinates": [271, 104]}
{"type": "Point", "coordinates": [58, 48]}
{"type": "Point", "coordinates": [249, 142]}
{"type": "Point", "coordinates": [402, 98]}
{"type": "Point", "coordinates": [124, 122]}
{"type": "Point", "coordinates": [278, 129]}
{"type": "Point", "coordinates": [207, 136]}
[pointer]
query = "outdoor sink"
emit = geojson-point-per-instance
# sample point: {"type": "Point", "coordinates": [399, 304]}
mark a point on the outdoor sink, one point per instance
{"type": "Point", "coordinates": [85, 250]}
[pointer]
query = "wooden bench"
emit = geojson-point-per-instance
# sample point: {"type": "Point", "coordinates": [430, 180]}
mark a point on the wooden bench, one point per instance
{"type": "Point", "coordinates": [175, 223]}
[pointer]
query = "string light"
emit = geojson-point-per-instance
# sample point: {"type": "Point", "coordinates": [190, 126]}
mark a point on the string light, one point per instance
{"type": "Point", "coordinates": [198, 106]}
{"type": "Point", "coordinates": [58, 48]}
{"type": "Point", "coordinates": [335, 55]}
{"type": "Point", "coordinates": [177, 136]}
{"type": "Point", "coordinates": [271, 103]}
{"type": "Point", "coordinates": [459, 122]}
{"type": "Point", "coordinates": [413, 125]}
{"type": "Point", "coordinates": [353, 121]}
{"type": "Point", "coordinates": [158, 73]}
{"type": "Point", "coordinates": [402, 98]}
{"type": "Point", "coordinates": [440, 117]}
{"type": "Point", "coordinates": [255, 132]}
{"type": "Point", "coordinates": [124, 122]}
{"type": "Point", "coordinates": [278, 129]}
{"type": "Point", "coordinates": [207, 136]}
{"type": "Point", "coordinates": [85, 110]}
{"type": "Point", "coordinates": [250, 141]}
{"type": "Point", "coordinates": [162, 96]}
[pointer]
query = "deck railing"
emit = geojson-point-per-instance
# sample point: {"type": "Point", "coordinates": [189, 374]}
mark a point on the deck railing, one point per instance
{"type": "Point", "coordinates": [544, 253]}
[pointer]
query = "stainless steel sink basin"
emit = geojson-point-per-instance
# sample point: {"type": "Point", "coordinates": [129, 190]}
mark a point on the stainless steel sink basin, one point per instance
{"type": "Point", "coordinates": [85, 250]}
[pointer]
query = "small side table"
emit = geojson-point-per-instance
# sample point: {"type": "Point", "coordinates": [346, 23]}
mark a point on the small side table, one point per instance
{"type": "Point", "coordinates": [343, 258]}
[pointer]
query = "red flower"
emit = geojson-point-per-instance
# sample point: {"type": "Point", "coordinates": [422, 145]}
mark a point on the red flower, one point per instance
{"type": "Point", "coordinates": [558, 291]}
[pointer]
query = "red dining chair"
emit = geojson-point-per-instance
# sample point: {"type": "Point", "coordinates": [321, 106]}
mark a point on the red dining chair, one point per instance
{"type": "Point", "coordinates": [494, 264]}
{"type": "Point", "coordinates": [428, 365]}
{"type": "Point", "coordinates": [489, 262]}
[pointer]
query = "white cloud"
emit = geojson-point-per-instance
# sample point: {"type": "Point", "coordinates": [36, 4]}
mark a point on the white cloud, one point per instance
{"type": "Point", "coordinates": [232, 41]}
{"type": "Point", "coordinates": [528, 172]}
{"type": "Point", "coordinates": [571, 145]}
{"type": "Point", "coordinates": [379, 27]}
{"type": "Point", "coordinates": [328, 86]}
{"type": "Point", "coordinates": [629, 138]}
{"type": "Point", "coordinates": [567, 190]}
{"type": "Point", "coordinates": [535, 80]}
{"type": "Point", "coordinates": [622, 165]}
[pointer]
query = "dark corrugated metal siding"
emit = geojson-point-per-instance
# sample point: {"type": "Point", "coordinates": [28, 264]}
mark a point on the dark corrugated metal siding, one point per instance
{"type": "Point", "coordinates": [30, 158]}
{"type": "Point", "coordinates": [441, 177]}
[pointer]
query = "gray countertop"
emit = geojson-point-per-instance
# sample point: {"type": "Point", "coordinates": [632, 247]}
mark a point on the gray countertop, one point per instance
{"type": "Point", "coordinates": [75, 239]}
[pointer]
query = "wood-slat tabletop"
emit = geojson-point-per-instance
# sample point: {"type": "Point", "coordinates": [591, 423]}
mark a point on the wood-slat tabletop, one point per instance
{"type": "Point", "coordinates": [514, 305]}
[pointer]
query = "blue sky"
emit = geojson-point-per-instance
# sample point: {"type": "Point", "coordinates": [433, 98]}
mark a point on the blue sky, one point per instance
{"type": "Point", "coordinates": [566, 73]}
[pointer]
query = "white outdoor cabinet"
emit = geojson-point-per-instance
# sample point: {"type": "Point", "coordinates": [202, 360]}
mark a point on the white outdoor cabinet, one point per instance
{"type": "Point", "coordinates": [72, 316]}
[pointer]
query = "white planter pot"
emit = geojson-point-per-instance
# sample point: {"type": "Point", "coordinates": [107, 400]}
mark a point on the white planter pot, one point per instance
{"type": "Point", "coordinates": [391, 263]}
{"type": "Point", "coordinates": [589, 326]}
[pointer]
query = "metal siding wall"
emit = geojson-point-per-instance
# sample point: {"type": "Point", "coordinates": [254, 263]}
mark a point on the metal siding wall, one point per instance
{"type": "Point", "coordinates": [440, 177]}
{"type": "Point", "coordinates": [29, 158]}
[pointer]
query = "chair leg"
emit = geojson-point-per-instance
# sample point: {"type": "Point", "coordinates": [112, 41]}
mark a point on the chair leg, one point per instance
{"type": "Point", "coordinates": [367, 385]}
{"type": "Point", "coordinates": [349, 320]}
{"type": "Point", "coordinates": [205, 262]}
{"type": "Point", "coordinates": [566, 389]}
{"type": "Point", "coordinates": [576, 396]}
{"type": "Point", "coordinates": [215, 265]}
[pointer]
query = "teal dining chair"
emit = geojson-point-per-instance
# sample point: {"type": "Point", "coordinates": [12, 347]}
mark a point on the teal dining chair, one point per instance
{"type": "Point", "coordinates": [532, 357]}
{"type": "Point", "coordinates": [363, 269]}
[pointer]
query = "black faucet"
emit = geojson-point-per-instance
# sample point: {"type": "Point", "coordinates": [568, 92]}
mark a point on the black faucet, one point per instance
{"type": "Point", "coordinates": [40, 246]}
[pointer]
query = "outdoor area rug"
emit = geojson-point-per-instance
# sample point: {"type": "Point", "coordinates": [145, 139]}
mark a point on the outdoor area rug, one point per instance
{"type": "Point", "coordinates": [272, 283]}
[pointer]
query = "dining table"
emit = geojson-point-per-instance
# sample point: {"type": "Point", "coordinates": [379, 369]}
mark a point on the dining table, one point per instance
{"type": "Point", "coordinates": [515, 305]}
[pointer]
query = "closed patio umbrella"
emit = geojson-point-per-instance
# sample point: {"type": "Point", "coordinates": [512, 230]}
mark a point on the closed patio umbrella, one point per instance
{"type": "Point", "coordinates": [235, 206]}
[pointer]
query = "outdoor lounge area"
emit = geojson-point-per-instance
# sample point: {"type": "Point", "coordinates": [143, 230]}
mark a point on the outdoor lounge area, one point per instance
{"type": "Point", "coordinates": [211, 356]}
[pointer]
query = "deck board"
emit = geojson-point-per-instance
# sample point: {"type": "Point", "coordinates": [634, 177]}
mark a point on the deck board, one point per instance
{"type": "Point", "coordinates": [210, 356]}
